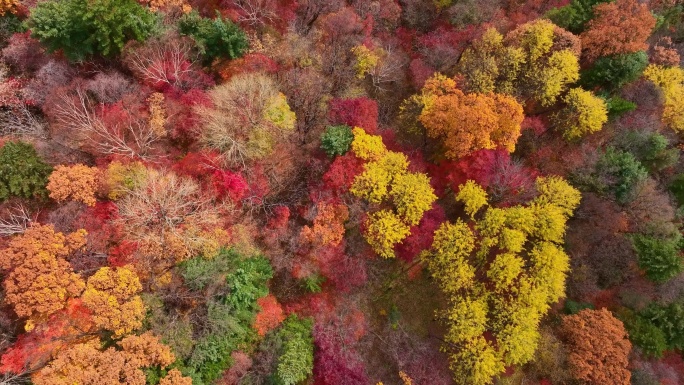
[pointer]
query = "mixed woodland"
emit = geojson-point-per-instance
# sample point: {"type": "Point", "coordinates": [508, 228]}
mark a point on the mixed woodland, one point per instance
{"type": "Point", "coordinates": [341, 192]}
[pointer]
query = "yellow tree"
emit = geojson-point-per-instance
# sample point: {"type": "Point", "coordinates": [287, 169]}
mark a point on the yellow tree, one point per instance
{"type": "Point", "coordinates": [386, 179]}
{"type": "Point", "coordinates": [112, 295]}
{"type": "Point", "coordinates": [501, 270]}
{"type": "Point", "coordinates": [670, 81]}
{"type": "Point", "coordinates": [583, 114]}
{"type": "Point", "coordinates": [77, 182]}
{"type": "Point", "coordinates": [535, 61]}
{"type": "Point", "coordinates": [38, 279]}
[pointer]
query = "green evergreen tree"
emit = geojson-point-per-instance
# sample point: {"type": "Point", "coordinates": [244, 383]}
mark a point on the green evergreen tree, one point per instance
{"type": "Point", "coordinates": [22, 172]}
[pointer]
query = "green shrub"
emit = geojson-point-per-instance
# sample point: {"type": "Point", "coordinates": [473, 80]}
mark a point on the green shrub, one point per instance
{"type": "Point", "coordinates": [217, 38]}
{"type": "Point", "coordinates": [295, 362]}
{"type": "Point", "coordinates": [613, 72]}
{"type": "Point", "coordinates": [649, 148]}
{"type": "Point", "coordinates": [229, 320]}
{"type": "Point", "coordinates": [82, 28]}
{"type": "Point", "coordinates": [618, 106]}
{"type": "Point", "coordinates": [200, 272]}
{"type": "Point", "coordinates": [670, 320]}
{"type": "Point", "coordinates": [313, 283]}
{"type": "Point", "coordinates": [573, 16]}
{"type": "Point", "coordinates": [22, 172]}
{"type": "Point", "coordinates": [620, 172]}
{"type": "Point", "coordinates": [659, 257]}
{"type": "Point", "coordinates": [336, 140]}
{"type": "Point", "coordinates": [573, 307]}
{"type": "Point", "coordinates": [677, 189]}
{"type": "Point", "coordinates": [649, 338]}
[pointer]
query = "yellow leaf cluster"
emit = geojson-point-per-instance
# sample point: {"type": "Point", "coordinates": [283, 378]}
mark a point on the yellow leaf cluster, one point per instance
{"type": "Point", "coordinates": [670, 81]}
{"type": "Point", "coordinates": [584, 113]}
{"type": "Point", "coordinates": [473, 197]}
{"type": "Point", "coordinates": [157, 118]}
{"type": "Point", "coordinates": [517, 255]}
{"type": "Point", "coordinates": [384, 230]}
{"type": "Point", "coordinates": [120, 178]}
{"type": "Point", "coordinates": [386, 177]}
{"type": "Point", "coordinates": [39, 279]}
{"type": "Point", "coordinates": [77, 182]}
{"type": "Point", "coordinates": [111, 294]}
{"type": "Point", "coordinates": [537, 61]}
{"type": "Point", "coordinates": [366, 60]}
{"type": "Point", "coordinates": [278, 112]}
{"type": "Point", "coordinates": [367, 147]}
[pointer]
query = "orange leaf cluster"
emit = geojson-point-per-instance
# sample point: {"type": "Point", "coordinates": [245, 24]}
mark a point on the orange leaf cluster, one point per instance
{"type": "Point", "coordinates": [77, 182]}
{"type": "Point", "coordinates": [157, 114]}
{"type": "Point", "coordinates": [40, 280]}
{"type": "Point", "coordinates": [618, 27]}
{"type": "Point", "coordinates": [469, 122]}
{"type": "Point", "coordinates": [86, 364]}
{"type": "Point", "coordinates": [328, 226]}
{"type": "Point", "coordinates": [599, 348]}
{"type": "Point", "coordinates": [270, 316]}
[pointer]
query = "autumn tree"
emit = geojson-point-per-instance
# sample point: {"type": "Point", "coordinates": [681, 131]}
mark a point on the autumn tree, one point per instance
{"type": "Point", "coordinates": [599, 348]}
{"type": "Point", "coordinates": [385, 178]}
{"type": "Point", "coordinates": [170, 219]}
{"type": "Point", "coordinates": [328, 226]}
{"type": "Point", "coordinates": [619, 27]}
{"type": "Point", "coordinates": [670, 81]}
{"type": "Point", "coordinates": [270, 316]}
{"type": "Point", "coordinates": [500, 270]}
{"type": "Point", "coordinates": [468, 122]}
{"type": "Point", "coordinates": [535, 61]}
{"type": "Point", "coordinates": [248, 119]}
{"type": "Point", "coordinates": [22, 172]}
{"type": "Point", "coordinates": [583, 114]}
{"type": "Point", "coordinates": [77, 182]}
{"type": "Point", "coordinates": [39, 280]}
{"type": "Point", "coordinates": [84, 28]}
{"type": "Point", "coordinates": [111, 294]}
{"type": "Point", "coordinates": [89, 364]}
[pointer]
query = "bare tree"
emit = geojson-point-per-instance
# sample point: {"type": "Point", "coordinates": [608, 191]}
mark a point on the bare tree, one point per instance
{"type": "Point", "coordinates": [256, 12]}
{"type": "Point", "coordinates": [131, 137]}
{"type": "Point", "coordinates": [166, 60]}
{"type": "Point", "coordinates": [389, 69]}
{"type": "Point", "coordinates": [22, 122]}
{"type": "Point", "coordinates": [17, 220]}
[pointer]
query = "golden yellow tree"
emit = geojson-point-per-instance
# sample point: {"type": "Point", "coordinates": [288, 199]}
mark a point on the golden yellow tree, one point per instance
{"type": "Point", "coordinates": [88, 364]}
{"type": "Point", "coordinates": [670, 81]}
{"type": "Point", "coordinates": [112, 295]}
{"type": "Point", "coordinates": [38, 279]}
{"type": "Point", "coordinates": [385, 178]}
{"type": "Point", "coordinates": [501, 270]}
{"type": "Point", "coordinates": [77, 182]}
{"type": "Point", "coordinates": [583, 114]}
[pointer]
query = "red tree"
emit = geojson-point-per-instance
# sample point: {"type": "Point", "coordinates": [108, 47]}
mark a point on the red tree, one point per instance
{"type": "Point", "coordinates": [359, 112]}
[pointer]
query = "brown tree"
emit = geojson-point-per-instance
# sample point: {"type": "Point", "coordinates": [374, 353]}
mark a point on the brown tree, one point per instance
{"type": "Point", "coordinates": [617, 28]}
{"type": "Point", "coordinates": [599, 348]}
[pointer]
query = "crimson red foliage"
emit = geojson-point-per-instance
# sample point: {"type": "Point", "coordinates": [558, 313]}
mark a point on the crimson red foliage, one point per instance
{"type": "Point", "coordinates": [281, 215]}
{"type": "Point", "coordinates": [182, 115]}
{"type": "Point", "coordinates": [252, 62]}
{"type": "Point", "coordinates": [341, 270]}
{"type": "Point", "coordinates": [335, 362]}
{"type": "Point", "coordinates": [419, 72]}
{"type": "Point", "coordinates": [534, 124]}
{"type": "Point", "coordinates": [121, 254]}
{"type": "Point", "coordinates": [358, 112]}
{"type": "Point", "coordinates": [340, 176]}
{"type": "Point", "coordinates": [97, 221]}
{"type": "Point", "coordinates": [227, 183]}
{"type": "Point", "coordinates": [421, 235]}
{"type": "Point", "coordinates": [34, 348]}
